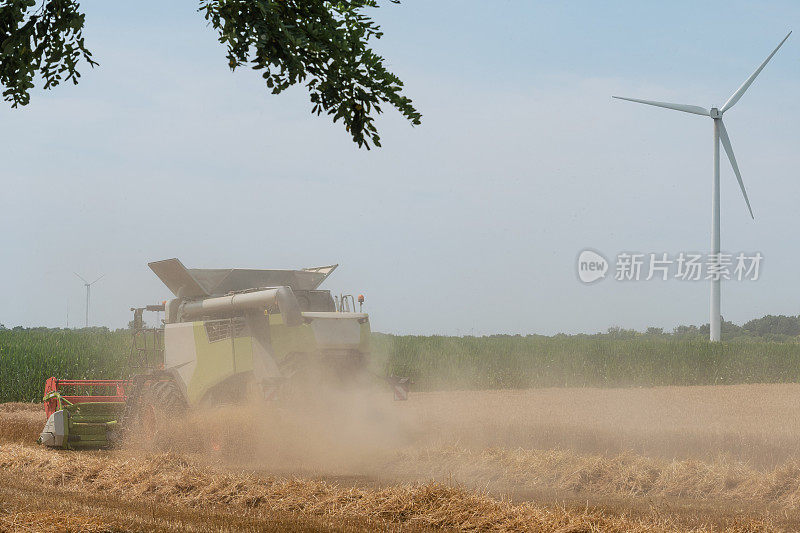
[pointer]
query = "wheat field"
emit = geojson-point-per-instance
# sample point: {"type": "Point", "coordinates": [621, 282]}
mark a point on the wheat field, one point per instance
{"type": "Point", "coordinates": [720, 458]}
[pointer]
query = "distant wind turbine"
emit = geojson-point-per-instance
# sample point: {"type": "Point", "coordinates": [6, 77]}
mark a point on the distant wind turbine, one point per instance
{"type": "Point", "coordinates": [720, 134]}
{"type": "Point", "coordinates": [88, 289]}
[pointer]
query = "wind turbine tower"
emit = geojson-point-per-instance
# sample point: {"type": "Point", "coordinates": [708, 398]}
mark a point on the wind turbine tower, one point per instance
{"type": "Point", "coordinates": [720, 134]}
{"type": "Point", "coordinates": [88, 291]}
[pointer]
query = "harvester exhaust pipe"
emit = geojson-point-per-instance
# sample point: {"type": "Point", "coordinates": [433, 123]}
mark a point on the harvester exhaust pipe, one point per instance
{"type": "Point", "coordinates": [258, 300]}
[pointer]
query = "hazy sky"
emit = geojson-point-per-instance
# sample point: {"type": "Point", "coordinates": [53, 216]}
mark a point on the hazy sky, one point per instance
{"type": "Point", "coordinates": [471, 222]}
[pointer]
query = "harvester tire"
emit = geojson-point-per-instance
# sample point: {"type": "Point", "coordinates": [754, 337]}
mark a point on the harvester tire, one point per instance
{"type": "Point", "coordinates": [159, 406]}
{"type": "Point", "coordinates": [167, 396]}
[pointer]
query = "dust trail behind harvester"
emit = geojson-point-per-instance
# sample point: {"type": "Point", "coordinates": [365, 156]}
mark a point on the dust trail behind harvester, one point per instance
{"type": "Point", "coordinates": [332, 431]}
{"type": "Point", "coordinates": [499, 436]}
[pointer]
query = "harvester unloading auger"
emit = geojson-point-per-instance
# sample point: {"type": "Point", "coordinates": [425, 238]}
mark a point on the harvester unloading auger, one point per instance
{"type": "Point", "coordinates": [228, 335]}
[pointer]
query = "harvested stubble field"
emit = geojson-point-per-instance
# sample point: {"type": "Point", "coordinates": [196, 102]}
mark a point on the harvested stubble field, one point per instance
{"type": "Point", "coordinates": [657, 459]}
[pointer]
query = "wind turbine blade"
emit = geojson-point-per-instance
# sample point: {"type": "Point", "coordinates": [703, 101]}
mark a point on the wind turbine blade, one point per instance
{"type": "Point", "coordinates": [697, 110]}
{"type": "Point", "coordinates": [726, 143]}
{"type": "Point", "coordinates": [83, 280]}
{"type": "Point", "coordinates": [98, 279]}
{"type": "Point", "coordinates": [749, 81]}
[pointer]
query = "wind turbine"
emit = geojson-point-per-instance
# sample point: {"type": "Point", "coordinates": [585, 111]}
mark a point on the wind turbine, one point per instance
{"type": "Point", "coordinates": [720, 134]}
{"type": "Point", "coordinates": [88, 289]}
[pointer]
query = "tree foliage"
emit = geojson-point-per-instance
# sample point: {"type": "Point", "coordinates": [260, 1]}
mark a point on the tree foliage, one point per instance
{"type": "Point", "coordinates": [321, 44]}
{"type": "Point", "coordinates": [46, 40]}
{"type": "Point", "coordinates": [774, 325]}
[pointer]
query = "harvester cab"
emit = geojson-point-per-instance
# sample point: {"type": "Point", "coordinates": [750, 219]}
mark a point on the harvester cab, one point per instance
{"type": "Point", "coordinates": [226, 336]}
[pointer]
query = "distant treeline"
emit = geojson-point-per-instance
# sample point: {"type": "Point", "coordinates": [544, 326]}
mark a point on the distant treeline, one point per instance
{"type": "Point", "coordinates": [780, 328]}
{"type": "Point", "coordinates": [764, 350]}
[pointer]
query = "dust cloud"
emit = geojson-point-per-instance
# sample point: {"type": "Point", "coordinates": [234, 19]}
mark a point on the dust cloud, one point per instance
{"type": "Point", "coordinates": [486, 438]}
{"type": "Point", "coordinates": [324, 431]}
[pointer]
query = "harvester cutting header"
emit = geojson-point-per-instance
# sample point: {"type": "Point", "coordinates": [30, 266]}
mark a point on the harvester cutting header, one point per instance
{"type": "Point", "coordinates": [228, 335]}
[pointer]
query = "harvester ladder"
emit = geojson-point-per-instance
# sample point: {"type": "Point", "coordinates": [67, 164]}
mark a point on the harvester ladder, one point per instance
{"type": "Point", "coordinates": [345, 303]}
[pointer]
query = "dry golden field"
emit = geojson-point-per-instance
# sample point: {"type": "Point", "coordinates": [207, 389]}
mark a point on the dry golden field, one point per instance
{"type": "Point", "coordinates": [660, 459]}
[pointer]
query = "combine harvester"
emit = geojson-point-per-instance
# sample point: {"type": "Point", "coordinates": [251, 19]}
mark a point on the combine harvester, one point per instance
{"type": "Point", "coordinates": [228, 335]}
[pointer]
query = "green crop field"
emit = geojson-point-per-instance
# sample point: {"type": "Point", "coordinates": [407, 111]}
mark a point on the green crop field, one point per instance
{"type": "Point", "coordinates": [617, 358]}
{"type": "Point", "coordinates": [584, 361]}
{"type": "Point", "coordinates": [29, 356]}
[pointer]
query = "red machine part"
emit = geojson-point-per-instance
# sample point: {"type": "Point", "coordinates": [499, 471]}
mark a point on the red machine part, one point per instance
{"type": "Point", "coordinates": [117, 386]}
